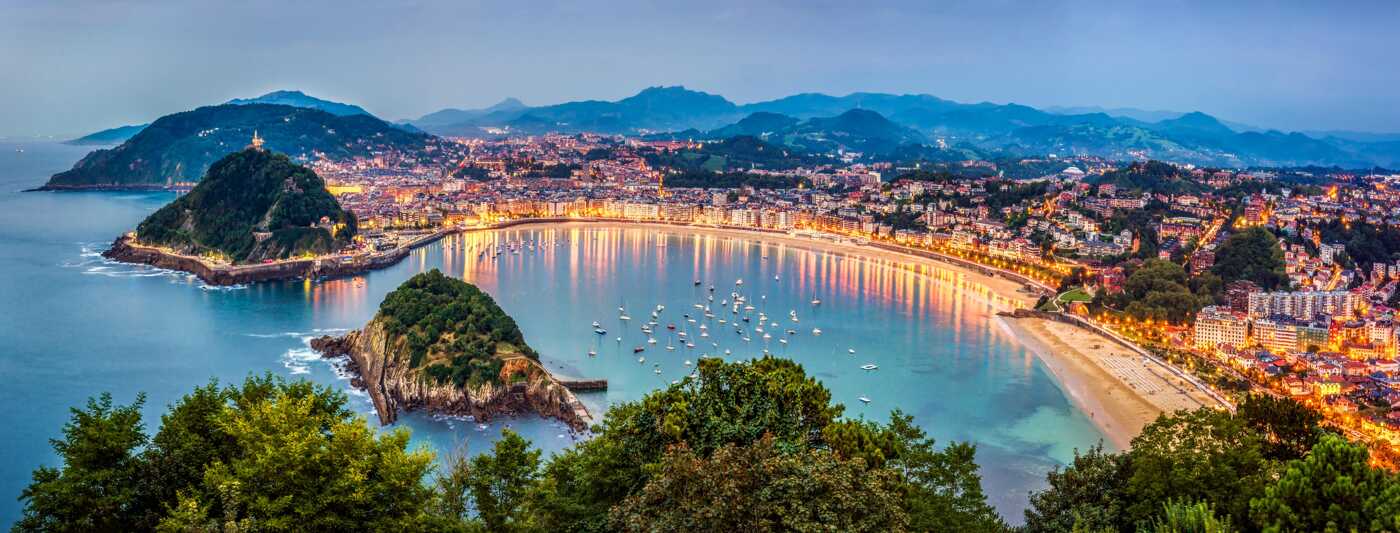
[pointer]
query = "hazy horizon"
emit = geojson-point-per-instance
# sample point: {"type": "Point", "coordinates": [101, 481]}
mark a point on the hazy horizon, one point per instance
{"type": "Point", "coordinates": [81, 66]}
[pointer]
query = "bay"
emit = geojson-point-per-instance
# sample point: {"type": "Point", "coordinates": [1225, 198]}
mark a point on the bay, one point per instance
{"type": "Point", "coordinates": [76, 325]}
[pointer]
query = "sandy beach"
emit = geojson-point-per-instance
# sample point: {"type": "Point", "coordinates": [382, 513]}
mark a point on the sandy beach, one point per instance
{"type": "Point", "coordinates": [1118, 390]}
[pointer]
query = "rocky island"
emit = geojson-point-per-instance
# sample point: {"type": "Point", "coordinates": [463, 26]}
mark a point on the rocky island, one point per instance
{"type": "Point", "coordinates": [442, 345]}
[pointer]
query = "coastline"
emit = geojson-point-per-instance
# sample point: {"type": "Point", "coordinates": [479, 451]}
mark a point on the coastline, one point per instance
{"type": "Point", "coordinates": [1119, 391]}
{"type": "Point", "coordinates": [1114, 404]}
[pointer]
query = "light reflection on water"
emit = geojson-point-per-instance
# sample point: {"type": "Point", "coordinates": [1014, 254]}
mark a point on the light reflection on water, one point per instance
{"type": "Point", "coordinates": [76, 326]}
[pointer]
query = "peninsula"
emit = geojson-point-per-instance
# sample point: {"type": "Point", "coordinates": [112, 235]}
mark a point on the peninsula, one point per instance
{"type": "Point", "coordinates": [442, 345]}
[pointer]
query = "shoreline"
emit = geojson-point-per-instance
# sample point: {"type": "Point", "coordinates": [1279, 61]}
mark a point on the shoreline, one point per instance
{"type": "Point", "coordinates": [1110, 402]}
{"type": "Point", "coordinates": [1121, 392]}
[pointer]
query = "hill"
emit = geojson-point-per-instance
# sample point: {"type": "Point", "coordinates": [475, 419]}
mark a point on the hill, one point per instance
{"type": "Point", "coordinates": [300, 99]}
{"type": "Point", "coordinates": [252, 206]}
{"type": "Point", "coordinates": [443, 345]}
{"type": "Point", "coordinates": [115, 135]}
{"type": "Point", "coordinates": [180, 147]}
{"type": "Point", "coordinates": [1150, 176]}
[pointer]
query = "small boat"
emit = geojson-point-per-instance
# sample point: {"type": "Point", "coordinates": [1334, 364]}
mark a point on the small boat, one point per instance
{"type": "Point", "coordinates": [784, 341]}
{"type": "Point", "coordinates": [624, 317]}
{"type": "Point", "coordinates": [864, 399]}
{"type": "Point", "coordinates": [775, 278]}
{"type": "Point", "coordinates": [669, 347]}
{"type": "Point", "coordinates": [619, 339]}
{"type": "Point", "coordinates": [651, 341]}
{"type": "Point", "coordinates": [851, 351]}
{"type": "Point", "coordinates": [592, 353]}
{"type": "Point", "coordinates": [639, 349]}
{"type": "Point", "coordinates": [689, 345]}
{"type": "Point", "coordinates": [816, 331]}
{"type": "Point", "coordinates": [739, 281]}
{"type": "Point", "coordinates": [687, 362]}
{"type": "Point", "coordinates": [600, 331]}
{"type": "Point", "coordinates": [671, 326]}
{"type": "Point", "coordinates": [697, 283]}
{"type": "Point", "coordinates": [596, 324]}
{"type": "Point", "coordinates": [869, 366]}
{"type": "Point", "coordinates": [641, 360]}
{"type": "Point", "coordinates": [726, 351]}
{"type": "Point", "coordinates": [816, 301]}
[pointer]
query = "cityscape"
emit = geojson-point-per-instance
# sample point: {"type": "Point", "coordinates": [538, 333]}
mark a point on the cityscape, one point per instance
{"type": "Point", "coordinates": [1010, 267]}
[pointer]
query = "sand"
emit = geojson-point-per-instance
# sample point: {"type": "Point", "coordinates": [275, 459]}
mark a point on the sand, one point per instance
{"type": "Point", "coordinates": [1120, 391]}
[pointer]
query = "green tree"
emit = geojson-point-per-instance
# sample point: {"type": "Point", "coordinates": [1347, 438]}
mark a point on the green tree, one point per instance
{"type": "Point", "coordinates": [1089, 493]}
{"type": "Point", "coordinates": [1181, 517]}
{"type": "Point", "coordinates": [500, 481]}
{"type": "Point", "coordinates": [757, 487]}
{"type": "Point", "coordinates": [1201, 455]}
{"type": "Point", "coordinates": [96, 489]}
{"type": "Point", "coordinates": [942, 489]}
{"type": "Point", "coordinates": [1253, 254]}
{"type": "Point", "coordinates": [1290, 428]}
{"type": "Point", "coordinates": [1334, 488]}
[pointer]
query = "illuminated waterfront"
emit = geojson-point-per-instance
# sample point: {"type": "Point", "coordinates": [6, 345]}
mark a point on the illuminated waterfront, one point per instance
{"type": "Point", "coordinates": [83, 326]}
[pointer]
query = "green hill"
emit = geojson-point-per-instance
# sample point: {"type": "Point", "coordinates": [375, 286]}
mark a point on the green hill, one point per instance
{"type": "Point", "coordinates": [253, 205]}
{"type": "Point", "coordinates": [181, 146]}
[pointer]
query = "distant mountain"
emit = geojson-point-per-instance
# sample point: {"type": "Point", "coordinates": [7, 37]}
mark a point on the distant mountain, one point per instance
{"type": "Point", "coordinates": [1141, 115]}
{"type": "Point", "coordinates": [115, 135]}
{"type": "Point", "coordinates": [252, 206]}
{"type": "Point", "coordinates": [856, 130]}
{"type": "Point", "coordinates": [180, 147]}
{"type": "Point", "coordinates": [451, 116]}
{"type": "Point", "coordinates": [300, 99]}
{"type": "Point", "coordinates": [1005, 129]}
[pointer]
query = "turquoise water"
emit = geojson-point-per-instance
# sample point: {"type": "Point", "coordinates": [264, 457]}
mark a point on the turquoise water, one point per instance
{"type": "Point", "coordinates": [76, 325]}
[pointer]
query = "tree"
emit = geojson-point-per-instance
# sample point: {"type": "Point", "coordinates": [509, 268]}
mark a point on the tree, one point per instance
{"type": "Point", "coordinates": [96, 488]}
{"type": "Point", "coordinates": [1253, 254]}
{"type": "Point", "coordinates": [1088, 493]}
{"type": "Point", "coordinates": [942, 489]}
{"type": "Point", "coordinates": [757, 487]}
{"type": "Point", "coordinates": [1290, 428]}
{"type": "Point", "coordinates": [500, 481]}
{"type": "Point", "coordinates": [1334, 488]}
{"type": "Point", "coordinates": [1181, 517]}
{"type": "Point", "coordinates": [1201, 455]}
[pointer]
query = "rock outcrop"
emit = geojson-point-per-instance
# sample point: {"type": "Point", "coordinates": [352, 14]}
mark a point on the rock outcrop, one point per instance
{"type": "Point", "coordinates": [382, 369]}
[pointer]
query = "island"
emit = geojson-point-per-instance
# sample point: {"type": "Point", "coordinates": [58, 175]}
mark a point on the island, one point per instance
{"type": "Point", "coordinates": [442, 345]}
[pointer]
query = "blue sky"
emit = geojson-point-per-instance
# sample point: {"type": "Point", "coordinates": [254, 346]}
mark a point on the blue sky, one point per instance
{"type": "Point", "coordinates": [73, 66]}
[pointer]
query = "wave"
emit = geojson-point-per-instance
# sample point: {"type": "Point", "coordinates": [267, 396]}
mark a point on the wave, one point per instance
{"type": "Point", "coordinates": [92, 263]}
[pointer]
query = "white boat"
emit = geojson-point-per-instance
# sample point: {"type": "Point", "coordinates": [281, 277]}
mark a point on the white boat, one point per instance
{"type": "Point", "coordinates": [851, 351]}
{"type": "Point", "coordinates": [642, 359]}
{"type": "Point", "coordinates": [653, 341]}
{"type": "Point", "coordinates": [863, 399]}
{"type": "Point", "coordinates": [816, 331]}
{"type": "Point", "coordinates": [869, 366]}
{"type": "Point", "coordinates": [687, 362]}
{"type": "Point", "coordinates": [592, 353]}
{"type": "Point", "coordinates": [739, 281]}
{"type": "Point", "coordinates": [784, 341]}
{"type": "Point", "coordinates": [596, 324]}
{"type": "Point", "coordinates": [816, 301]}
{"type": "Point", "coordinates": [658, 370]}
{"type": "Point", "coordinates": [726, 351]}
{"type": "Point", "coordinates": [600, 331]}
{"type": "Point", "coordinates": [775, 278]}
{"type": "Point", "coordinates": [624, 317]}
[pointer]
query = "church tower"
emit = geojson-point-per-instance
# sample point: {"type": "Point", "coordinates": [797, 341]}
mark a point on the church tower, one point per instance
{"type": "Point", "coordinates": [257, 141]}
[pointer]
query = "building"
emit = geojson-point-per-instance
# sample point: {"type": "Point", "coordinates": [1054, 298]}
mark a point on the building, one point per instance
{"type": "Point", "coordinates": [1217, 325]}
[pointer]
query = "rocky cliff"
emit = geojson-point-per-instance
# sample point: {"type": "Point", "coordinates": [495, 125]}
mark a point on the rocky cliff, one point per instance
{"type": "Point", "coordinates": [381, 366]}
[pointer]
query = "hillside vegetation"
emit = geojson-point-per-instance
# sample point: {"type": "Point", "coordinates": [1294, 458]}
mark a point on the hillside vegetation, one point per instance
{"type": "Point", "coordinates": [252, 206]}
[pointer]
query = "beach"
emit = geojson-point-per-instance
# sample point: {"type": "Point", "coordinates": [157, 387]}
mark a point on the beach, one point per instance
{"type": "Point", "coordinates": [1120, 391]}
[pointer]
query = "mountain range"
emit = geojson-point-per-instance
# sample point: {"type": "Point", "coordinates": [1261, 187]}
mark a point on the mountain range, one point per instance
{"type": "Point", "coordinates": [1008, 129]}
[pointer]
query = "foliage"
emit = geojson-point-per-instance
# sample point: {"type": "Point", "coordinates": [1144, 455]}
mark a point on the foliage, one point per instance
{"type": "Point", "coordinates": [96, 488]}
{"type": "Point", "coordinates": [1158, 290]}
{"type": "Point", "coordinates": [1088, 493]}
{"type": "Point", "coordinates": [246, 192]}
{"type": "Point", "coordinates": [1365, 243]}
{"type": "Point", "coordinates": [500, 481]}
{"type": "Point", "coordinates": [758, 487]}
{"type": "Point", "coordinates": [1202, 455]}
{"type": "Point", "coordinates": [1152, 177]}
{"type": "Point", "coordinates": [1253, 254]}
{"type": "Point", "coordinates": [269, 456]}
{"type": "Point", "coordinates": [730, 180]}
{"type": "Point", "coordinates": [453, 323]}
{"type": "Point", "coordinates": [1334, 488]}
{"type": "Point", "coordinates": [1289, 428]}
{"type": "Point", "coordinates": [1179, 517]}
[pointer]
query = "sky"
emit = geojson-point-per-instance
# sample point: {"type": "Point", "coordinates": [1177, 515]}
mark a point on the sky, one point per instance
{"type": "Point", "coordinates": [76, 66]}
